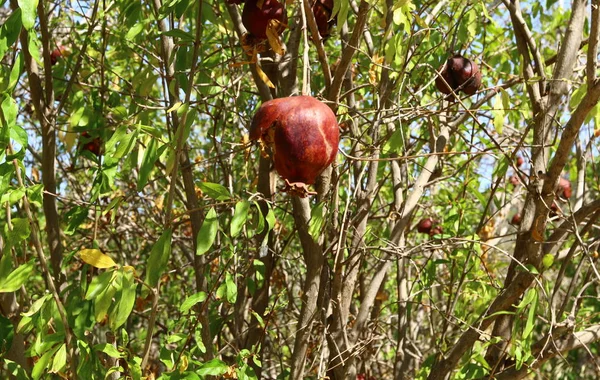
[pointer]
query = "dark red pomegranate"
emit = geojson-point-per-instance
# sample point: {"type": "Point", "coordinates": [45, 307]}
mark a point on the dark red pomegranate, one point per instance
{"type": "Point", "coordinates": [57, 54]}
{"type": "Point", "coordinates": [322, 9]}
{"type": "Point", "coordinates": [564, 188]}
{"type": "Point", "coordinates": [257, 19]}
{"type": "Point", "coordinates": [302, 135]}
{"type": "Point", "coordinates": [516, 220]}
{"type": "Point", "coordinates": [460, 74]}
{"type": "Point", "coordinates": [425, 226]}
{"type": "Point", "coordinates": [93, 145]}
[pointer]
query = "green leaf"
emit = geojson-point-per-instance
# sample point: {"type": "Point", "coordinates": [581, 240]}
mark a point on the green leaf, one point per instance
{"type": "Point", "coordinates": [60, 359]}
{"type": "Point", "coordinates": [316, 222]}
{"type": "Point", "coordinates": [547, 260]}
{"type": "Point", "coordinates": [191, 301]}
{"type": "Point", "coordinates": [99, 284]}
{"type": "Point", "coordinates": [159, 257]}
{"type": "Point", "coordinates": [577, 96]}
{"type": "Point", "coordinates": [74, 217]}
{"type": "Point", "coordinates": [17, 277]}
{"type": "Point", "coordinates": [9, 32]}
{"type": "Point", "coordinates": [183, 36]}
{"type": "Point", "coordinates": [42, 363]}
{"type": "Point", "coordinates": [125, 302]}
{"type": "Point", "coordinates": [104, 301]}
{"type": "Point", "coordinates": [151, 154]}
{"type": "Point", "coordinates": [109, 350]}
{"type": "Point", "coordinates": [28, 12]}
{"type": "Point", "coordinates": [231, 289]}
{"type": "Point", "coordinates": [120, 144]}
{"type": "Point", "coordinates": [21, 231]}
{"type": "Point", "coordinates": [208, 232]}
{"type": "Point", "coordinates": [15, 73]}
{"type": "Point", "coordinates": [531, 317]}
{"type": "Point", "coordinates": [134, 31]}
{"type": "Point", "coordinates": [214, 367]}
{"type": "Point", "coordinates": [498, 114]}
{"type": "Point", "coordinates": [240, 216]}
{"type": "Point", "coordinates": [395, 144]}
{"type": "Point", "coordinates": [214, 190]}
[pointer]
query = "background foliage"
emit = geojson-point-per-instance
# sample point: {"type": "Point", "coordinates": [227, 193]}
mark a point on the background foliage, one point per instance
{"type": "Point", "coordinates": [172, 254]}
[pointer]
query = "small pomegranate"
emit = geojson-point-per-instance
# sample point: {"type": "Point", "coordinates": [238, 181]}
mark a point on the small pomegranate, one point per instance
{"type": "Point", "coordinates": [460, 74]}
{"type": "Point", "coordinates": [425, 226]}
{"type": "Point", "coordinates": [92, 145]}
{"type": "Point", "coordinates": [564, 188]}
{"type": "Point", "coordinates": [57, 54]}
{"type": "Point", "coordinates": [437, 230]}
{"type": "Point", "coordinates": [516, 220]}
{"type": "Point", "coordinates": [256, 19]}
{"type": "Point", "coordinates": [322, 9]}
{"type": "Point", "coordinates": [302, 135]}
{"type": "Point", "coordinates": [520, 161]}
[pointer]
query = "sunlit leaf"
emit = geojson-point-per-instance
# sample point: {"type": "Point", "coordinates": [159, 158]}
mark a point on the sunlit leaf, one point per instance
{"type": "Point", "coordinates": [208, 232]}
{"type": "Point", "coordinates": [96, 258]}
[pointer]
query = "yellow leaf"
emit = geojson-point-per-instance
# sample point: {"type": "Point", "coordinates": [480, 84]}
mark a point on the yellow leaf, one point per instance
{"type": "Point", "coordinates": [264, 76]}
{"type": "Point", "coordinates": [175, 107]}
{"type": "Point", "coordinates": [96, 258]}
{"type": "Point", "coordinates": [273, 28]}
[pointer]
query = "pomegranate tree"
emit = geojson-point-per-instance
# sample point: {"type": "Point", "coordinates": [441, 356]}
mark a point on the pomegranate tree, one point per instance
{"type": "Point", "coordinates": [301, 134]}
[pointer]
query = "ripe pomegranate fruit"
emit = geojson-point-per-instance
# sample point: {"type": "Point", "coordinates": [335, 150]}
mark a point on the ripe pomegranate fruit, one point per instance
{"type": "Point", "coordinates": [460, 74]}
{"type": "Point", "coordinates": [437, 230]}
{"type": "Point", "coordinates": [257, 19]}
{"type": "Point", "coordinates": [520, 161]}
{"type": "Point", "coordinates": [322, 9]}
{"type": "Point", "coordinates": [92, 145]}
{"type": "Point", "coordinates": [430, 227]}
{"type": "Point", "coordinates": [302, 136]}
{"type": "Point", "coordinates": [516, 220]}
{"type": "Point", "coordinates": [425, 226]}
{"type": "Point", "coordinates": [57, 54]}
{"type": "Point", "coordinates": [564, 188]}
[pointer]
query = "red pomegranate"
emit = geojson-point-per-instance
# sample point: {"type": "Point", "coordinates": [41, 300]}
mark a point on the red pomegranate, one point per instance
{"type": "Point", "coordinates": [425, 226]}
{"type": "Point", "coordinates": [437, 230]}
{"type": "Point", "coordinates": [564, 188]}
{"type": "Point", "coordinates": [516, 220]}
{"type": "Point", "coordinates": [302, 135]}
{"type": "Point", "coordinates": [460, 74]}
{"type": "Point", "coordinates": [57, 54]}
{"type": "Point", "coordinates": [93, 145]}
{"type": "Point", "coordinates": [322, 9]}
{"type": "Point", "coordinates": [257, 19]}
{"type": "Point", "coordinates": [520, 161]}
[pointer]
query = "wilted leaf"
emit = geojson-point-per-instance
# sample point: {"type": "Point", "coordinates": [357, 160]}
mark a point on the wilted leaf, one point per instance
{"type": "Point", "coordinates": [273, 28]}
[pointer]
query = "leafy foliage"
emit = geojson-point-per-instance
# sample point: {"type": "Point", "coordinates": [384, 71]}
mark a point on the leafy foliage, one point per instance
{"type": "Point", "coordinates": [142, 234]}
